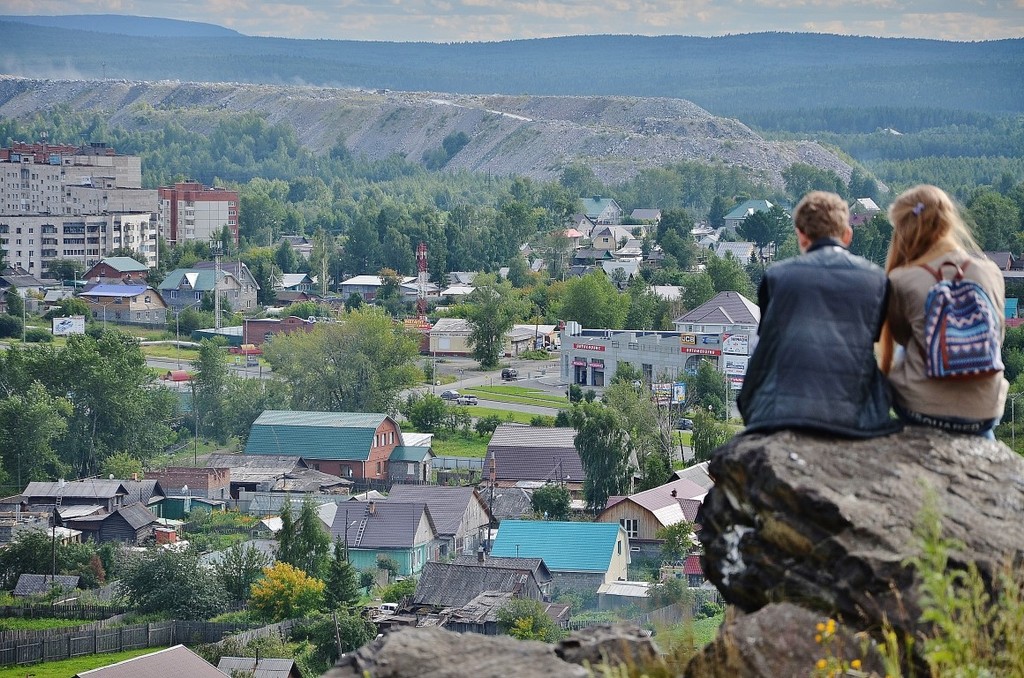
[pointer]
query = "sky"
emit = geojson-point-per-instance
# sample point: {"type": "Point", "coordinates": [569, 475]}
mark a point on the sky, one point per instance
{"type": "Point", "coordinates": [492, 20]}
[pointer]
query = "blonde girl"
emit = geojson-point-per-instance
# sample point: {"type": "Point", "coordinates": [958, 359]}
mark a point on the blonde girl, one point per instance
{"type": "Point", "coordinates": [927, 230]}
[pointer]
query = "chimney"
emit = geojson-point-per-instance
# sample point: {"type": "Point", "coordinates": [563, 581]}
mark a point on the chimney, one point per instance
{"type": "Point", "coordinates": [371, 508]}
{"type": "Point", "coordinates": [135, 477]}
{"type": "Point", "coordinates": [673, 493]}
{"type": "Point", "coordinates": [481, 554]}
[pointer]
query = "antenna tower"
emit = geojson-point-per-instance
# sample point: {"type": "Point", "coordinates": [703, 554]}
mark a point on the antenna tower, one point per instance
{"type": "Point", "coordinates": [421, 281]}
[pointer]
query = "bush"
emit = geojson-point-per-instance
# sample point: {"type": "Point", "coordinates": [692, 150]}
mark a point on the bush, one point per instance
{"type": "Point", "coordinates": [10, 326]}
{"type": "Point", "coordinates": [542, 421]}
{"type": "Point", "coordinates": [394, 593]}
{"type": "Point", "coordinates": [37, 335]}
{"type": "Point", "coordinates": [486, 425]}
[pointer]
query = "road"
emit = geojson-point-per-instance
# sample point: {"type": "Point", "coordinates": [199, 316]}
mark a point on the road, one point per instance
{"type": "Point", "coordinates": [261, 372]}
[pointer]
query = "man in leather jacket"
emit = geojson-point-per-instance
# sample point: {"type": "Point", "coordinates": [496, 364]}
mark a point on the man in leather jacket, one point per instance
{"type": "Point", "coordinates": [814, 365]}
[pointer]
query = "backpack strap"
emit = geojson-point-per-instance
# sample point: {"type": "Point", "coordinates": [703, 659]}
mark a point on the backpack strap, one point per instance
{"type": "Point", "coordinates": [938, 274]}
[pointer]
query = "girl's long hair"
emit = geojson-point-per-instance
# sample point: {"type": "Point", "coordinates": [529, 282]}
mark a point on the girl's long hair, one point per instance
{"type": "Point", "coordinates": [925, 224]}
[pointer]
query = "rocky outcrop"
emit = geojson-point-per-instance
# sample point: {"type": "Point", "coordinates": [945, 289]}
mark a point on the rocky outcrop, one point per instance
{"type": "Point", "coordinates": [436, 653]}
{"type": "Point", "coordinates": [534, 136]}
{"type": "Point", "coordinates": [828, 525]}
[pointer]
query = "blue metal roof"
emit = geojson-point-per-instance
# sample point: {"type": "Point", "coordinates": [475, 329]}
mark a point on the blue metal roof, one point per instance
{"type": "Point", "coordinates": [564, 546]}
{"type": "Point", "coordinates": [115, 291]}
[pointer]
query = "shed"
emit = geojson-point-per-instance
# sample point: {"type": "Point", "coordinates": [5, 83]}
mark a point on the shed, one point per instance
{"type": "Point", "coordinates": [172, 662]}
{"type": "Point", "coordinates": [259, 668]}
{"type": "Point", "coordinates": [41, 584]}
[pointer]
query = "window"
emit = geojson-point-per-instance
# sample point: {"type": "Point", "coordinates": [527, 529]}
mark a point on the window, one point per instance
{"type": "Point", "coordinates": [631, 525]}
{"type": "Point", "coordinates": [618, 545]}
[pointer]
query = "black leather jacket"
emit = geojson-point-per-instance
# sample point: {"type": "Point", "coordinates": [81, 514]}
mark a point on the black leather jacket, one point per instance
{"type": "Point", "coordinates": [814, 366]}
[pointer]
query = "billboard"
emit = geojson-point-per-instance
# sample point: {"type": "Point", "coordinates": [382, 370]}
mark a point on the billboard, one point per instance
{"type": "Point", "coordinates": [679, 393]}
{"type": "Point", "coordinates": [662, 393]}
{"type": "Point", "coordinates": [700, 344]}
{"type": "Point", "coordinates": [72, 325]}
{"type": "Point", "coordinates": [735, 365]}
{"type": "Point", "coordinates": [737, 344]}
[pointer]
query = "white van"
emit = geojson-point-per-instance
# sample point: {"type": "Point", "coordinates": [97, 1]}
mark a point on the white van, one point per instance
{"type": "Point", "coordinates": [388, 608]}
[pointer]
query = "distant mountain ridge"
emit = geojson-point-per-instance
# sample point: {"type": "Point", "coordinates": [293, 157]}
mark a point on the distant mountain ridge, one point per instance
{"type": "Point", "coordinates": [507, 135]}
{"type": "Point", "coordinates": [123, 24]}
{"type": "Point", "coordinates": [730, 75]}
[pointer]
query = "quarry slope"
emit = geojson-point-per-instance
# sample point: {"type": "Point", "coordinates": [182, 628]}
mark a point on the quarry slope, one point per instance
{"type": "Point", "coordinates": [533, 136]}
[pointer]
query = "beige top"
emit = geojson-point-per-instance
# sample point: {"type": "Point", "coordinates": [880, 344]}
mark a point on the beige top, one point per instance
{"type": "Point", "coordinates": [981, 398]}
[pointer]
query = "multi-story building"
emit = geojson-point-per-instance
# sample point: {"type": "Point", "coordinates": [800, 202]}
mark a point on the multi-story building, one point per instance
{"type": "Point", "coordinates": [191, 211]}
{"type": "Point", "coordinates": [721, 331]}
{"type": "Point", "coordinates": [66, 202]}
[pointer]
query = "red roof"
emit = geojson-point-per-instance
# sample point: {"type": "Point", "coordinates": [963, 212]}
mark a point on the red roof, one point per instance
{"type": "Point", "coordinates": [178, 375]}
{"type": "Point", "coordinates": [692, 566]}
{"type": "Point", "coordinates": [1014, 322]}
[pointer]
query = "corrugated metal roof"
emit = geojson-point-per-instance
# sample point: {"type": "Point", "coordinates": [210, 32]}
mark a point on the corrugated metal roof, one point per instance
{"type": "Point", "coordinates": [173, 662]}
{"type": "Point", "coordinates": [124, 264]}
{"type": "Point", "coordinates": [625, 589]}
{"type": "Point", "coordinates": [448, 505]}
{"type": "Point", "coordinates": [265, 668]}
{"type": "Point", "coordinates": [380, 524]}
{"type": "Point", "coordinates": [34, 584]}
{"type": "Point", "coordinates": [516, 435]}
{"type": "Point", "coordinates": [410, 453]}
{"type": "Point", "coordinates": [115, 291]}
{"type": "Point", "coordinates": [314, 435]}
{"type": "Point", "coordinates": [564, 546]}
{"type": "Point", "coordinates": [451, 585]}
{"type": "Point", "coordinates": [99, 489]}
{"type": "Point", "coordinates": [725, 308]}
{"type": "Point", "coordinates": [698, 473]}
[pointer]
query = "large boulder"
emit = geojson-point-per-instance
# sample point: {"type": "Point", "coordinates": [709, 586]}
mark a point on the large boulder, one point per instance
{"type": "Point", "coordinates": [829, 524]}
{"type": "Point", "coordinates": [436, 653]}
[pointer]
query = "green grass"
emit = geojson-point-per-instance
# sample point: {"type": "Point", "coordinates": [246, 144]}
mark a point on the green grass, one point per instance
{"type": "Point", "coordinates": [37, 624]}
{"type": "Point", "coordinates": [461, 447]}
{"type": "Point", "coordinates": [704, 630]}
{"type": "Point", "coordinates": [517, 395]}
{"type": "Point", "coordinates": [70, 667]}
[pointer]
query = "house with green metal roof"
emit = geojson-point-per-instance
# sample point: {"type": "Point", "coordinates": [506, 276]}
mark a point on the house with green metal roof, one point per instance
{"type": "Point", "coordinates": [353, 445]}
{"type": "Point", "coordinates": [125, 269]}
{"type": "Point", "coordinates": [602, 210]}
{"type": "Point", "coordinates": [580, 556]}
{"type": "Point", "coordinates": [738, 214]}
{"type": "Point", "coordinates": [184, 287]}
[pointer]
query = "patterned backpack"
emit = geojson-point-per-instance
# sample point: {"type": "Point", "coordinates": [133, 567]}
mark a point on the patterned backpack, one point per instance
{"type": "Point", "coordinates": [961, 327]}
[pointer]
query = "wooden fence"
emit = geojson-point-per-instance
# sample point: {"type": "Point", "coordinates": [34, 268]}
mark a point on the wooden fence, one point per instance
{"type": "Point", "coordinates": [62, 611]}
{"type": "Point", "coordinates": [56, 644]}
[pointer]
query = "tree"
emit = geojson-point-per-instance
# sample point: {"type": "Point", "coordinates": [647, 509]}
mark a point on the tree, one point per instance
{"type": "Point", "coordinates": [68, 307]}
{"type": "Point", "coordinates": [15, 304]}
{"type": "Point", "coordinates": [173, 583]}
{"type": "Point", "coordinates": [996, 219]}
{"type": "Point", "coordinates": [603, 445]}
{"type": "Point", "coordinates": [717, 212]}
{"type": "Point", "coordinates": [122, 465]}
{"type": "Point", "coordinates": [706, 390]}
{"type": "Point", "coordinates": [30, 425]}
{"type": "Point", "coordinates": [551, 501]}
{"type": "Point", "coordinates": [708, 435]}
{"type": "Point", "coordinates": [312, 543]}
{"type": "Point", "coordinates": [647, 425]}
{"type": "Point", "coordinates": [342, 588]}
{"type": "Point", "coordinates": [728, 274]}
{"type": "Point", "coordinates": [698, 288]}
{"type": "Point", "coordinates": [594, 301]}
{"type": "Point", "coordinates": [242, 566]}
{"type": "Point", "coordinates": [210, 387]}
{"type": "Point", "coordinates": [359, 364]}
{"type": "Point", "coordinates": [286, 549]}
{"type": "Point", "coordinates": [66, 269]}
{"type": "Point", "coordinates": [678, 540]}
{"type": "Point", "coordinates": [802, 178]}
{"type": "Point", "coordinates": [763, 227]}
{"type": "Point", "coordinates": [494, 307]}
{"type": "Point", "coordinates": [525, 619]}
{"type": "Point", "coordinates": [426, 412]}
{"type": "Point", "coordinates": [246, 399]}
{"type": "Point", "coordinates": [285, 592]}
{"type": "Point", "coordinates": [285, 257]}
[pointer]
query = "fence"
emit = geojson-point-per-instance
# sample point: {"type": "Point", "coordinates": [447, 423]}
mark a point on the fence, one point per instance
{"type": "Point", "coordinates": [670, 614]}
{"type": "Point", "coordinates": [472, 463]}
{"type": "Point", "coordinates": [57, 644]}
{"type": "Point", "coordinates": [62, 611]}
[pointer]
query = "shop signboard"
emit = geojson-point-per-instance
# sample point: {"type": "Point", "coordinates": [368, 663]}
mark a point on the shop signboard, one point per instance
{"type": "Point", "coordinates": [735, 365]}
{"type": "Point", "coordinates": [679, 393]}
{"type": "Point", "coordinates": [737, 344]}
{"type": "Point", "coordinates": [662, 393]}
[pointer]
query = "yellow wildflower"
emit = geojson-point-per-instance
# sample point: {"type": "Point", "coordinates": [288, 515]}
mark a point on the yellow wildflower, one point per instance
{"type": "Point", "coordinates": [817, 637]}
{"type": "Point", "coordinates": [821, 664]}
{"type": "Point", "coordinates": [855, 665]}
{"type": "Point", "coordinates": [820, 627]}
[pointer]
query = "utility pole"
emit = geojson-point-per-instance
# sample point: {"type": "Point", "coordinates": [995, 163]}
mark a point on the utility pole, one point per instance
{"type": "Point", "coordinates": [216, 248]}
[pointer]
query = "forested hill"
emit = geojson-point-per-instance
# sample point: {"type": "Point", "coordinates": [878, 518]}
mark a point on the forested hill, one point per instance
{"type": "Point", "coordinates": [731, 75]}
{"type": "Point", "coordinates": [502, 135]}
{"type": "Point", "coordinates": [119, 24]}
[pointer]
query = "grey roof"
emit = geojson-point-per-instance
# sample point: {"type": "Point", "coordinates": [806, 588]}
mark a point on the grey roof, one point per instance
{"type": "Point", "coordinates": [98, 489]}
{"type": "Point", "coordinates": [698, 474]}
{"type": "Point", "coordinates": [274, 462]}
{"type": "Point", "coordinates": [534, 453]}
{"type": "Point", "coordinates": [447, 505]}
{"type": "Point", "coordinates": [508, 502]}
{"type": "Point", "coordinates": [451, 585]}
{"type": "Point", "coordinates": [34, 584]}
{"type": "Point", "coordinates": [172, 662]}
{"type": "Point", "coordinates": [482, 609]}
{"type": "Point", "coordinates": [535, 565]}
{"type": "Point", "coordinates": [136, 515]}
{"type": "Point", "coordinates": [264, 668]}
{"type": "Point", "coordinates": [380, 524]}
{"type": "Point", "coordinates": [142, 490]}
{"type": "Point", "coordinates": [725, 308]}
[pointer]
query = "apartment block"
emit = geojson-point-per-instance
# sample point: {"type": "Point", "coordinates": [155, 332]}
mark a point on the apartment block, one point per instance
{"type": "Point", "coordinates": [192, 211]}
{"type": "Point", "coordinates": [70, 202]}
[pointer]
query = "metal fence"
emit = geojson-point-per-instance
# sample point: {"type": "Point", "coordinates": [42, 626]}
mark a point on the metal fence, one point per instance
{"type": "Point", "coordinates": [472, 463]}
{"type": "Point", "coordinates": [58, 644]}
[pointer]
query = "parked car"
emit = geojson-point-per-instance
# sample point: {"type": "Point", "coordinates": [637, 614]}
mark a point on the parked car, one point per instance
{"type": "Point", "coordinates": [684, 425]}
{"type": "Point", "coordinates": [509, 374]}
{"type": "Point", "coordinates": [450, 395]}
{"type": "Point", "coordinates": [467, 399]}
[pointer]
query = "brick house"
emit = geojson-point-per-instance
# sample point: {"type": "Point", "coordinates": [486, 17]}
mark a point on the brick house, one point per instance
{"type": "Point", "coordinates": [211, 483]}
{"type": "Point", "coordinates": [352, 445]}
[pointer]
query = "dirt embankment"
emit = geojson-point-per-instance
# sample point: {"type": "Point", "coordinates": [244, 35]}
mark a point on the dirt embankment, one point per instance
{"type": "Point", "coordinates": [524, 135]}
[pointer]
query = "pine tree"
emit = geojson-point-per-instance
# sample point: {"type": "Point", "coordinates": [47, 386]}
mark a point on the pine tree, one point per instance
{"type": "Point", "coordinates": [342, 585]}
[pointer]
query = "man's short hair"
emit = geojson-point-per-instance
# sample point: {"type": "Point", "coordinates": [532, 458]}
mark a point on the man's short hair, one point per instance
{"type": "Point", "coordinates": [822, 215]}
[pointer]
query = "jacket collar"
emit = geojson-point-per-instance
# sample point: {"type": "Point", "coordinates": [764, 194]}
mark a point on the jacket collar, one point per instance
{"type": "Point", "coordinates": [825, 242]}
